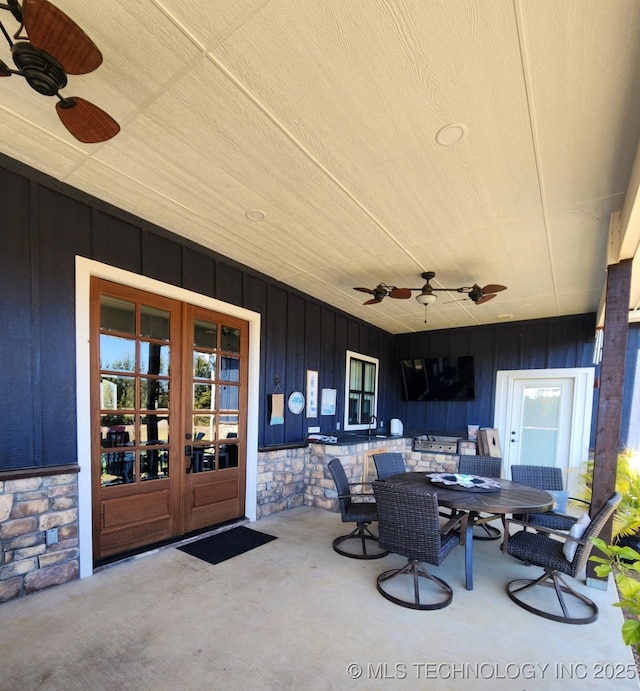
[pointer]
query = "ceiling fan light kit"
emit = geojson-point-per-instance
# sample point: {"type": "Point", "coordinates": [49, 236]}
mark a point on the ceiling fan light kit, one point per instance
{"type": "Point", "coordinates": [53, 47]}
{"type": "Point", "coordinates": [426, 298]}
{"type": "Point", "coordinates": [426, 295]}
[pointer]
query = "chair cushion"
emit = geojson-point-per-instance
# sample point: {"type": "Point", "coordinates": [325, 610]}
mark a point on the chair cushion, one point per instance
{"type": "Point", "coordinates": [538, 549]}
{"type": "Point", "coordinates": [577, 531]}
{"type": "Point", "coordinates": [364, 512]}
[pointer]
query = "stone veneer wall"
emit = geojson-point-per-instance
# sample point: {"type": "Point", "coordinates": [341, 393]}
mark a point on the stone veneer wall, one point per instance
{"type": "Point", "coordinates": [29, 507]}
{"type": "Point", "coordinates": [281, 479]}
{"type": "Point", "coordinates": [287, 478]}
{"type": "Point", "coordinates": [320, 490]}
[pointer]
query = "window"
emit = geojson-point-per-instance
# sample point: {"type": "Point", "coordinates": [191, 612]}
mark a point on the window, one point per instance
{"type": "Point", "coordinates": [361, 390]}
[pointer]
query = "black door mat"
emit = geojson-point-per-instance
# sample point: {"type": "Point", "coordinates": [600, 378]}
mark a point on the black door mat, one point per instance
{"type": "Point", "coordinates": [230, 543]}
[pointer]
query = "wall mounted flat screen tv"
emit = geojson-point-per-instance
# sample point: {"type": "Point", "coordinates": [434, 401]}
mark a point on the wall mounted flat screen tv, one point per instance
{"type": "Point", "coordinates": [438, 379]}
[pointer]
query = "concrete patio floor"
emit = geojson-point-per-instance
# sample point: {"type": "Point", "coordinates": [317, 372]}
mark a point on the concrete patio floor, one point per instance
{"type": "Point", "coordinates": [293, 614]}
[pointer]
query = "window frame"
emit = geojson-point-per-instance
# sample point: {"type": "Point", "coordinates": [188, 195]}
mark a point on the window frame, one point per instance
{"type": "Point", "coordinates": [367, 359]}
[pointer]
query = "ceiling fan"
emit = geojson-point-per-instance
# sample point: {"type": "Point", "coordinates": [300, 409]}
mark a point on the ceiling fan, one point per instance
{"type": "Point", "coordinates": [53, 47]}
{"type": "Point", "coordinates": [381, 291]}
{"type": "Point", "coordinates": [427, 296]}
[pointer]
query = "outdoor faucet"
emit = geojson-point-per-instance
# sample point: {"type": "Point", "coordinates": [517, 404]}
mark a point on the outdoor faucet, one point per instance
{"type": "Point", "coordinates": [373, 419]}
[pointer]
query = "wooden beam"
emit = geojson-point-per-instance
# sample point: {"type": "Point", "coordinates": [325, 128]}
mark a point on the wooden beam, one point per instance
{"type": "Point", "coordinates": [609, 409]}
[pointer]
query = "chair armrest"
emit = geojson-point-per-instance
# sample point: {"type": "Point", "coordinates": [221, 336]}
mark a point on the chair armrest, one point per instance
{"type": "Point", "coordinates": [579, 501]}
{"type": "Point", "coordinates": [539, 529]}
{"type": "Point", "coordinates": [356, 495]}
{"type": "Point", "coordinates": [457, 522]}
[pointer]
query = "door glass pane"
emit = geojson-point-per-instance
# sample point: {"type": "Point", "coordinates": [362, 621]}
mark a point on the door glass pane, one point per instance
{"type": "Point", "coordinates": [117, 423]}
{"type": "Point", "coordinates": [154, 358]}
{"type": "Point", "coordinates": [203, 458]}
{"type": "Point", "coordinates": [205, 334]}
{"type": "Point", "coordinates": [229, 397]}
{"type": "Point", "coordinates": [154, 323]}
{"type": "Point", "coordinates": [154, 394]}
{"type": "Point", "coordinates": [117, 392]}
{"type": "Point", "coordinates": [204, 365]}
{"type": "Point", "coordinates": [117, 354]}
{"type": "Point", "coordinates": [228, 456]}
{"type": "Point", "coordinates": [154, 429]}
{"type": "Point", "coordinates": [117, 315]}
{"type": "Point", "coordinates": [230, 339]}
{"type": "Point", "coordinates": [117, 468]}
{"type": "Point", "coordinates": [154, 464]}
{"type": "Point", "coordinates": [204, 428]}
{"type": "Point", "coordinates": [540, 420]}
{"type": "Point", "coordinates": [229, 425]}
{"type": "Point", "coordinates": [229, 368]}
{"type": "Point", "coordinates": [203, 396]}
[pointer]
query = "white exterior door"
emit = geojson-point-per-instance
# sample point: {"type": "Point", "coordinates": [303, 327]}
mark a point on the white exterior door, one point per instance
{"type": "Point", "coordinates": [544, 418]}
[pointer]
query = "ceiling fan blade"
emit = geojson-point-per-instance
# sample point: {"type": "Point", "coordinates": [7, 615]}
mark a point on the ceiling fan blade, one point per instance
{"type": "Point", "coordinates": [400, 293]}
{"type": "Point", "coordinates": [86, 122]}
{"type": "Point", "coordinates": [373, 301]}
{"type": "Point", "coordinates": [485, 298]}
{"type": "Point", "coordinates": [365, 290]}
{"type": "Point", "coordinates": [493, 288]}
{"type": "Point", "coordinates": [49, 29]}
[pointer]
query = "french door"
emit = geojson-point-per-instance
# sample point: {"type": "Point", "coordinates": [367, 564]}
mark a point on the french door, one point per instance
{"type": "Point", "coordinates": [168, 399]}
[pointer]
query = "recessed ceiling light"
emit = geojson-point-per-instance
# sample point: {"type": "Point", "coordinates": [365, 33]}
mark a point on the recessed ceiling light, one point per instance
{"type": "Point", "coordinates": [450, 134]}
{"type": "Point", "coordinates": [255, 215]}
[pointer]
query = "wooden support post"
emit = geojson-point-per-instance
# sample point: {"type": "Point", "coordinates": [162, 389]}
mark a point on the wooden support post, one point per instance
{"type": "Point", "coordinates": [609, 410]}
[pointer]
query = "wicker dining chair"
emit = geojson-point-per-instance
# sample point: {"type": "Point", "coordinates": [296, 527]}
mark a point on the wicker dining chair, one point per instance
{"type": "Point", "coordinates": [541, 549]}
{"type": "Point", "coordinates": [484, 466]}
{"type": "Point", "coordinates": [358, 508]}
{"type": "Point", "coordinates": [388, 464]}
{"type": "Point", "coordinates": [409, 525]}
{"type": "Point", "coordinates": [548, 478]}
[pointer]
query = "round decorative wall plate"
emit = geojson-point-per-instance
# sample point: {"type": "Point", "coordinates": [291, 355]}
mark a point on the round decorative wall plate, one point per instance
{"type": "Point", "coordinates": [296, 402]}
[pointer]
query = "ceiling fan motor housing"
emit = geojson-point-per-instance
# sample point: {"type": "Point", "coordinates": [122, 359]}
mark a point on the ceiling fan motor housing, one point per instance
{"type": "Point", "coordinates": [42, 72]}
{"type": "Point", "coordinates": [475, 293]}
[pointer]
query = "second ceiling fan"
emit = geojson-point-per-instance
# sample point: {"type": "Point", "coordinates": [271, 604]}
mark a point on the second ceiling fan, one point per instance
{"type": "Point", "coordinates": [426, 294]}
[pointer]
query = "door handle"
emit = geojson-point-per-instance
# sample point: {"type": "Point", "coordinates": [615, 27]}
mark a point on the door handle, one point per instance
{"type": "Point", "coordinates": [188, 450]}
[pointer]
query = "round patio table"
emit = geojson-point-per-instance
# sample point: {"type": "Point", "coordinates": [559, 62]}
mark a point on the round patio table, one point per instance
{"type": "Point", "coordinates": [512, 497]}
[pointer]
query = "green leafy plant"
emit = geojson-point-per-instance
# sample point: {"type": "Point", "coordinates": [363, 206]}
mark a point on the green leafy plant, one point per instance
{"type": "Point", "coordinates": [626, 519]}
{"type": "Point", "coordinates": [624, 563]}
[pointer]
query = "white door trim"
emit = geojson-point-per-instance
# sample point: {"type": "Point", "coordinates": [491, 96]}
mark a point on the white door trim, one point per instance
{"type": "Point", "coordinates": [580, 432]}
{"type": "Point", "coordinates": [85, 269]}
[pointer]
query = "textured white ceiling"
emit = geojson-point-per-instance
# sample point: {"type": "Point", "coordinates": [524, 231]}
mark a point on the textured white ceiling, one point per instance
{"type": "Point", "coordinates": [323, 114]}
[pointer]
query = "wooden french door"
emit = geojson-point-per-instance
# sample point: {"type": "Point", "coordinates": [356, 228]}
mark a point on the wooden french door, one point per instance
{"type": "Point", "coordinates": [169, 399]}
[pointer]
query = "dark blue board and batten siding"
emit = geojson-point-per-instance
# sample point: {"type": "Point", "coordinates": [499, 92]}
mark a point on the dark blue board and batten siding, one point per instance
{"type": "Point", "coordinates": [534, 344]}
{"type": "Point", "coordinates": [45, 224]}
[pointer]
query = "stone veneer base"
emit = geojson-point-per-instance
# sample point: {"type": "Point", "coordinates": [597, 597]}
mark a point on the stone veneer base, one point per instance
{"type": "Point", "coordinates": [287, 478]}
{"type": "Point", "coordinates": [28, 508]}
